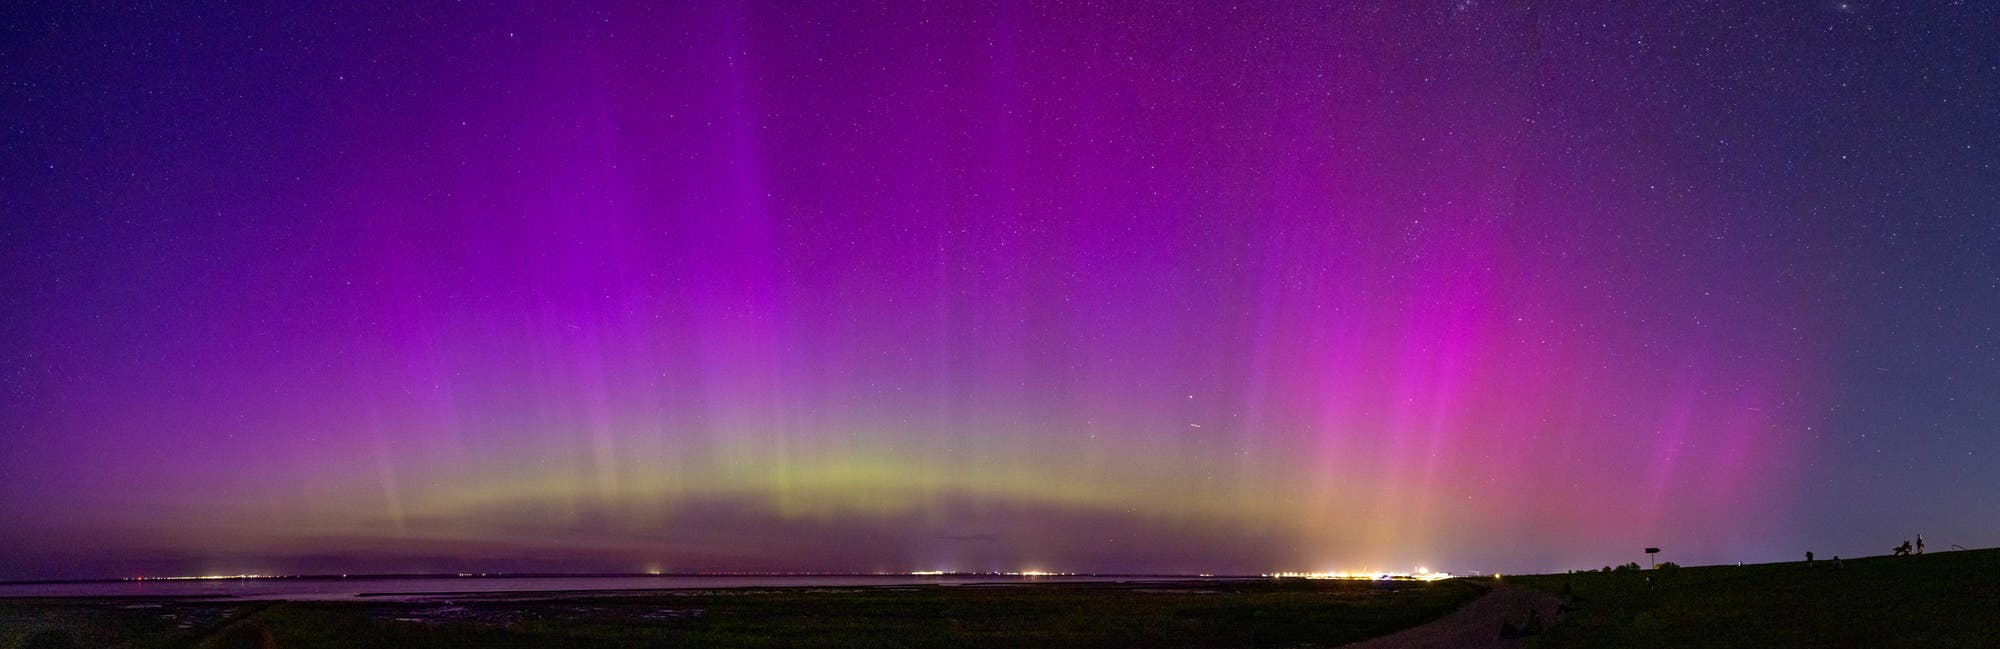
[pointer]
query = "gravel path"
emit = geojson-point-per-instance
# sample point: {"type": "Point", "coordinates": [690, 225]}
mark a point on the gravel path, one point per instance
{"type": "Point", "coordinates": [1475, 625]}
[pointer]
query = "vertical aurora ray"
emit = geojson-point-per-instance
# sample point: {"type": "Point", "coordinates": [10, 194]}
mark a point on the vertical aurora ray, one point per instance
{"type": "Point", "coordinates": [844, 286]}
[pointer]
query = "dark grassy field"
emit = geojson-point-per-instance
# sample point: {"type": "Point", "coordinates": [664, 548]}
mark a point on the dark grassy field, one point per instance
{"type": "Point", "coordinates": [1943, 599]}
{"type": "Point", "coordinates": [1258, 613]}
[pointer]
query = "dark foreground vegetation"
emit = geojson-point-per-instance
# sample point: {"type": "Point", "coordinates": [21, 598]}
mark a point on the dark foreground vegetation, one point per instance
{"type": "Point", "coordinates": [1941, 599]}
{"type": "Point", "coordinates": [1257, 613]}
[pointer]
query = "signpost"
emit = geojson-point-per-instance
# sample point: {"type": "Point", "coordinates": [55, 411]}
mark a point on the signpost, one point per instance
{"type": "Point", "coordinates": [1649, 557]}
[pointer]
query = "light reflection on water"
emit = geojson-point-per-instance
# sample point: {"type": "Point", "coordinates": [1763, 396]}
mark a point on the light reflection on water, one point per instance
{"type": "Point", "coordinates": [400, 588]}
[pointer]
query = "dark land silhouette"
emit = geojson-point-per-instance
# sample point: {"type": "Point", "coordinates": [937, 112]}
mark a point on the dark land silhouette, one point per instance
{"type": "Point", "coordinates": [1942, 599]}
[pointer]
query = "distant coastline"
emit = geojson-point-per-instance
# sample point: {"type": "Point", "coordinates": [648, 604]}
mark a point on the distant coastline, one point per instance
{"type": "Point", "coordinates": [417, 586]}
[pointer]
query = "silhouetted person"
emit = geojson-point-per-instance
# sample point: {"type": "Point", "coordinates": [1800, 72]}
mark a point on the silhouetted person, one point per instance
{"type": "Point", "coordinates": [1836, 562]}
{"type": "Point", "coordinates": [1809, 562]}
{"type": "Point", "coordinates": [1920, 544]}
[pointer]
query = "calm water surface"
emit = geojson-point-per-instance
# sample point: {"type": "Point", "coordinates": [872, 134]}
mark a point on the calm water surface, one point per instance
{"type": "Point", "coordinates": [395, 588]}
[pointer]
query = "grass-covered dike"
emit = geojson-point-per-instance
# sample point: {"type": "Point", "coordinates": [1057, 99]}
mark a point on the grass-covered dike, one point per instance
{"type": "Point", "coordinates": [1941, 599]}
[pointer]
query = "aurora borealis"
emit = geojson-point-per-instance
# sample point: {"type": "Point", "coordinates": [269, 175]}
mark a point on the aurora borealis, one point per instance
{"type": "Point", "coordinates": [1068, 286]}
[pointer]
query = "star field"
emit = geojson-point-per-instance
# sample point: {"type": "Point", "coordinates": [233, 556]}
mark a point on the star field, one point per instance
{"type": "Point", "coordinates": [1087, 287]}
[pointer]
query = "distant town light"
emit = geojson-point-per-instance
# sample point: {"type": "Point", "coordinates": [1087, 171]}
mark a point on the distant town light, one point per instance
{"type": "Point", "coordinates": [1422, 574]}
{"type": "Point", "coordinates": [200, 577]}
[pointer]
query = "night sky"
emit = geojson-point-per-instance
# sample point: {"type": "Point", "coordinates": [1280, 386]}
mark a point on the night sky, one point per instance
{"type": "Point", "coordinates": [692, 286]}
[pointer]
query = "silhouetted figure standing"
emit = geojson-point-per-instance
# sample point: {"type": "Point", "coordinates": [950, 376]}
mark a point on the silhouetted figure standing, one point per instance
{"type": "Point", "coordinates": [1836, 562]}
{"type": "Point", "coordinates": [1920, 543]}
{"type": "Point", "coordinates": [1809, 562]}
